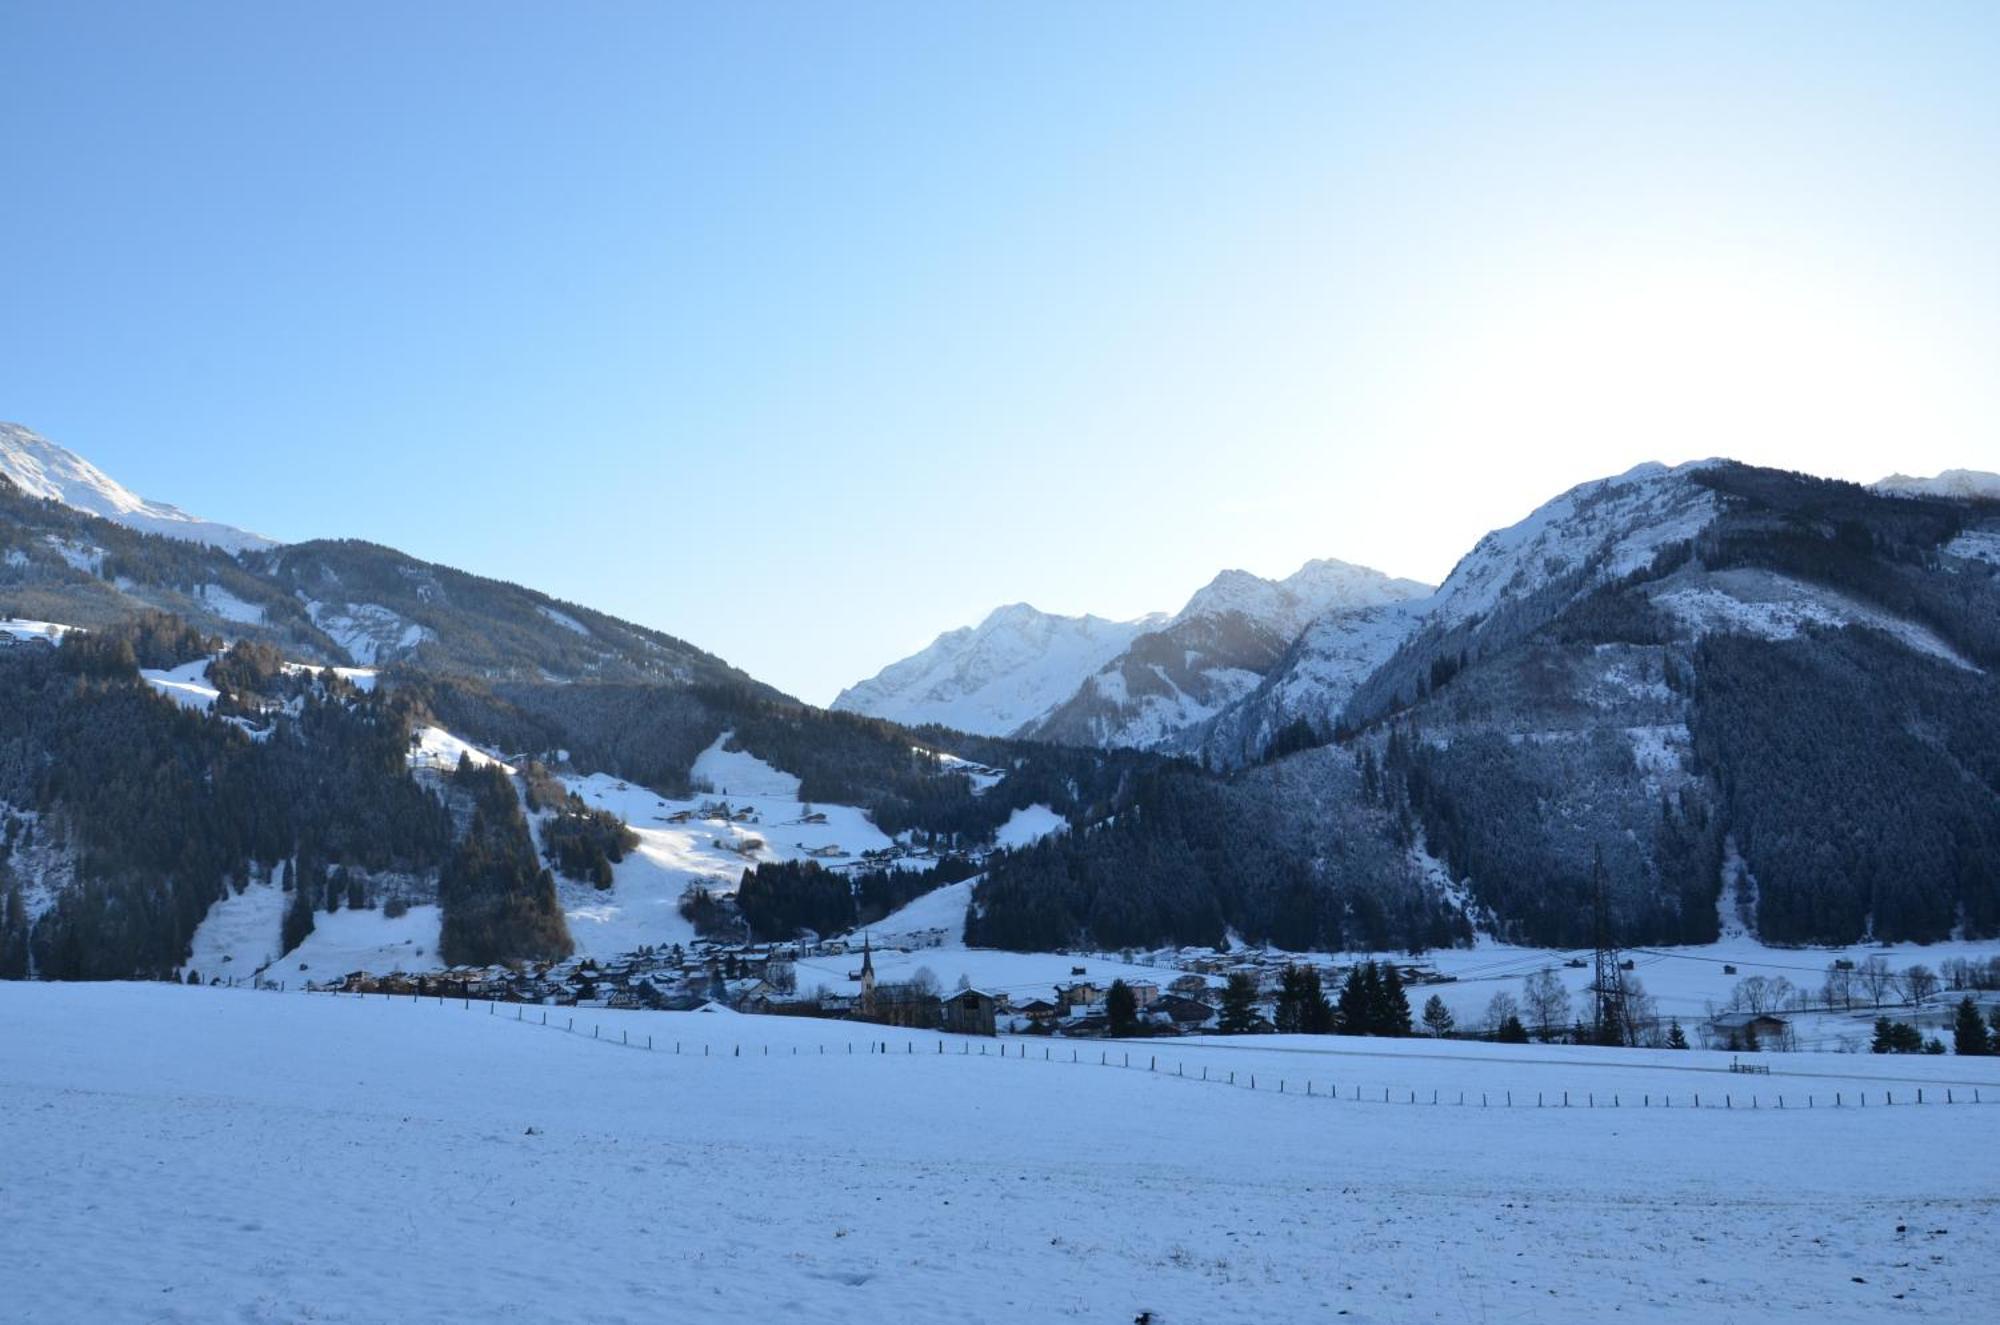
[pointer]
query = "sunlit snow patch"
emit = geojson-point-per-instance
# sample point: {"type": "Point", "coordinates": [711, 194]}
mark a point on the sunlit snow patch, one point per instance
{"type": "Point", "coordinates": [1030, 825]}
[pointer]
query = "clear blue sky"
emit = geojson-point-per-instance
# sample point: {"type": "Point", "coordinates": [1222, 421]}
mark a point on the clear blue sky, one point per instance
{"type": "Point", "coordinates": [805, 331]}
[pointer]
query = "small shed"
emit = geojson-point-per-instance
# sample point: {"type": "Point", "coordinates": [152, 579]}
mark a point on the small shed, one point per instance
{"type": "Point", "coordinates": [970, 1012]}
{"type": "Point", "coordinates": [1746, 1030]}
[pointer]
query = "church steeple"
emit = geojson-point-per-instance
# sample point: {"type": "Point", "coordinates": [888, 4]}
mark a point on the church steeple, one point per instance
{"type": "Point", "coordinates": [867, 976]}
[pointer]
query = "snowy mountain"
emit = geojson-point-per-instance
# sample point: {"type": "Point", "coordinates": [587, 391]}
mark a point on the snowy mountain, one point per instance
{"type": "Point", "coordinates": [40, 468]}
{"type": "Point", "coordinates": [1958, 484]}
{"type": "Point", "coordinates": [1648, 675]}
{"type": "Point", "coordinates": [993, 678]}
{"type": "Point", "coordinates": [1515, 579]}
{"type": "Point", "coordinates": [1313, 681]}
{"type": "Point", "coordinates": [1214, 652]}
{"type": "Point", "coordinates": [1089, 681]}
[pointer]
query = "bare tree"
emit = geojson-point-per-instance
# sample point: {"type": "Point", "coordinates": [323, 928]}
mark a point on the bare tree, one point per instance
{"type": "Point", "coordinates": [1546, 999]}
{"type": "Point", "coordinates": [1838, 991]}
{"type": "Point", "coordinates": [1919, 982]}
{"type": "Point", "coordinates": [1642, 1015]}
{"type": "Point", "coordinates": [1876, 977]}
{"type": "Point", "coordinates": [1502, 1006]}
{"type": "Point", "coordinates": [1752, 994]}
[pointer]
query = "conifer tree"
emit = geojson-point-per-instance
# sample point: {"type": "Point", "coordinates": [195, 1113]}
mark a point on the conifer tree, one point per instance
{"type": "Point", "coordinates": [1239, 1005]}
{"type": "Point", "coordinates": [1357, 1009]}
{"type": "Point", "coordinates": [1395, 1019]}
{"type": "Point", "coordinates": [1302, 1006]}
{"type": "Point", "coordinates": [1676, 1037]}
{"type": "Point", "coordinates": [1437, 1017]}
{"type": "Point", "coordinates": [1512, 1031]}
{"type": "Point", "coordinates": [1968, 1029]}
{"type": "Point", "coordinates": [1121, 1006]}
{"type": "Point", "coordinates": [298, 919]}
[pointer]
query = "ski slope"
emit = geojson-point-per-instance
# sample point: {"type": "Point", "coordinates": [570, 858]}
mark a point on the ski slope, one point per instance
{"type": "Point", "coordinates": [283, 1157]}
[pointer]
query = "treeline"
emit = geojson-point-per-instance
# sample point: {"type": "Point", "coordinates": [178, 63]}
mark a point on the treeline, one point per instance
{"type": "Point", "coordinates": [499, 903]}
{"type": "Point", "coordinates": [1862, 781]}
{"type": "Point", "coordinates": [783, 899]}
{"type": "Point", "coordinates": [162, 808]}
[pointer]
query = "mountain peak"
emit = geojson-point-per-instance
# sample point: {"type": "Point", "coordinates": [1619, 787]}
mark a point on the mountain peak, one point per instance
{"type": "Point", "coordinates": [1963, 484]}
{"type": "Point", "coordinates": [993, 677]}
{"type": "Point", "coordinates": [1320, 586]}
{"type": "Point", "coordinates": [40, 468]}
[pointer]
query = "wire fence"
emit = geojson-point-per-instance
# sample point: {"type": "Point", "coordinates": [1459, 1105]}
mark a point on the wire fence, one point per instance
{"type": "Point", "coordinates": [565, 1021]}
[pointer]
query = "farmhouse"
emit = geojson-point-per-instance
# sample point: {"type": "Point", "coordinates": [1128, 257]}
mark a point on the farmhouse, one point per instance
{"type": "Point", "coordinates": [1181, 1010]}
{"type": "Point", "coordinates": [1079, 995]}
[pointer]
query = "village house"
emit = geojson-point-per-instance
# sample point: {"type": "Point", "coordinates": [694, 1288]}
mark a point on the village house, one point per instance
{"type": "Point", "coordinates": [1182, 1011]}
{"type": "Point", "coordinates": [1040, 1011]}
{"type": "Point", "coordinates": [1082, 994]}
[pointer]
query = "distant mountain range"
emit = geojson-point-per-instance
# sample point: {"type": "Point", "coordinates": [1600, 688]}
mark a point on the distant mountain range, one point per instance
{"type": "Point", "coordinates": [1736, 696]}
{"type": "Point", "coordinates": [1142, 683]}
{"type": "Point", "coordinates": [1247, 656]}
{"type": "Point", "coordinates": [1958, 484]}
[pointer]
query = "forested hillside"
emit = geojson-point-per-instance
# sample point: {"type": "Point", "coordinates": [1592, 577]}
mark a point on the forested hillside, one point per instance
{"type": "Point", "coordinates": [1293, 854]}
{"type": "Point", "coordinates": [1807, 676]}
{"type": "Point", "coordinates": [128, 814]}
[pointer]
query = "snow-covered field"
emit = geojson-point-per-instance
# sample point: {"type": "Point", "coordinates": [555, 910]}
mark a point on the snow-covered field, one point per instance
{"type": "Point", "coordinates": [177, 1154]}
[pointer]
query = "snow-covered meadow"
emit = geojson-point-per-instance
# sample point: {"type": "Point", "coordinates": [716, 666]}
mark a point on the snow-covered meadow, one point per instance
{"type": "Point", "coordinates": [178, 1154]}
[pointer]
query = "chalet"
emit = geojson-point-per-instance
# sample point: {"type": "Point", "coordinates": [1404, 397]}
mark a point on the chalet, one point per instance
{"type": "Point", "coordinates": [816, 817]}
{"type": "Point", "coordinates": [1079, 995]}
{"type": "Point", "coordinates": [969, 1012]}
{"type": "Point", "coordinates": [680, 817]}
{"type": "Point", "coordinates": [749, 995]}
{"type": "Point", "coordinates": [1181, 1010]}
{"type": "Point", "coordinates": [831, 851]}
{"type": "Point", "coordinates": [1040, 1011]}
{"type": "Point", "coordinates": [1144, 992]}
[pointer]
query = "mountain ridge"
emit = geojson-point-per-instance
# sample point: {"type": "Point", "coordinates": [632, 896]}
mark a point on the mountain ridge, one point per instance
{"type": "Point", "coordinates": [41, 468]}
